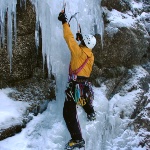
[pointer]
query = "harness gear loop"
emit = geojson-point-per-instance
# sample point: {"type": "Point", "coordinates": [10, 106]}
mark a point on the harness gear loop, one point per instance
{"type": "Point", "coordinates": [79, 95]}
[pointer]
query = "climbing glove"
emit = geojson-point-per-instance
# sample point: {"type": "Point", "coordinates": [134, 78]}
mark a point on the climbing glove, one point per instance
{"type": "Point", "coordinates": [79, 37]}
{"type": "Point", "coordinates": [62, 17]}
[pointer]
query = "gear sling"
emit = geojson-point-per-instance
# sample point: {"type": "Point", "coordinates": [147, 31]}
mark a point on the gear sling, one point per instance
{"type": "Point", "coordinates": [82, 88]}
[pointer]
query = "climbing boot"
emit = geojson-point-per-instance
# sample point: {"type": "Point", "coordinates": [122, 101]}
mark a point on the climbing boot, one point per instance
{"type": "Point", "coordinates": [75, 144]}
{"type": "Point", "coordinates": [91, 116]}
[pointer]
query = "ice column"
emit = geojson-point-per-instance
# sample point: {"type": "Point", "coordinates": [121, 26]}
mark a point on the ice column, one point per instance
{"type": "Point", "coordinates": [54, 49]}
{"type": "Point", "coordinates": [8, 8]}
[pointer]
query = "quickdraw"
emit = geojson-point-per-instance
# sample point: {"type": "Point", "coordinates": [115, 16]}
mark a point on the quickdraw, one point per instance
{"type": "Point", "coordinates": [77, 93]}
{"type": "Point", "coordinates": [80, 93]}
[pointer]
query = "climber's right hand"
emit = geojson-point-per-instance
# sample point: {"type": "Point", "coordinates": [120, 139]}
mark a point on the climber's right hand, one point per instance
{"type": "Point", "coordinates": [62, 17]}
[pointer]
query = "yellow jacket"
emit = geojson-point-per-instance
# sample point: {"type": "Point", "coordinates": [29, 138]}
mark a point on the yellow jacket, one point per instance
{"type": "Point", "coordinates": [79, 53]}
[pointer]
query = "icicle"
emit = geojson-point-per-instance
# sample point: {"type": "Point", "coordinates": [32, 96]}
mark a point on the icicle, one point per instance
{"type": "Point", "coordinates": [15, 26]}
{"type": "Point", "coordinates": [9, 8]}
{"type": "Point", "coordinates": [3, 29]}
{"type": "Point", "coordinates": [37, 35]}
{"type": "Point", "coordinates": [99, 24]}
{"type": "Point", "coordinates": [23, 3]}
{"type": "Point", "coordinates": [2, 24]}
{"type": "Point", "coordinates": [102, 25]}
{"type": "Point", "coordinates": [0, 32]}
{"type": "Point", "coordinates": [9, 35]}
{"type": "Point", "coordinates": [95, 27]}
{"type": "Point", "coordinates": [20, 3]}
{"type": "Point", "coordinates": [37, 26]}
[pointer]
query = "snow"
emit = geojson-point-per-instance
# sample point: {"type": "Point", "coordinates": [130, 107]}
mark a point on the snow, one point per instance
{"type": "Point", "coordinates": [145, 17]}
{"type": "Point", "coordinates": [118, 20]}
{"type": "Point", "coordinates": [148, 105]}
{"type": "Point", "coordinates": [121, 19]}
{"type": "Point", "coordinates": [128, 19]}
{"type": "Point", "coordinates": [137, 5]}
{"type": "Point", "coordinates": [10, 111]}
{"type": "Point", "coordinates": [48, 130]}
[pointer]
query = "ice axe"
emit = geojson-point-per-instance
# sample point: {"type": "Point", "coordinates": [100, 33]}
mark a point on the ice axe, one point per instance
{"type": "Point", "coordinates": [78, 25]}
{"type": "Point", "coordinates": [64, 6]}
{"type": "Point", "coordinates": [73, 16]}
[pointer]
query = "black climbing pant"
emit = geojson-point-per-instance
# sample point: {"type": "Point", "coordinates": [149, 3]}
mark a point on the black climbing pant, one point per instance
{"type": "Point", "coordinates": [70, 115]}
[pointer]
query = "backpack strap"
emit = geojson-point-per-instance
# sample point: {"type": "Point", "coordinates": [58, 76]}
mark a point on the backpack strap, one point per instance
{"type": "Point", "coordinates": [75, 72]}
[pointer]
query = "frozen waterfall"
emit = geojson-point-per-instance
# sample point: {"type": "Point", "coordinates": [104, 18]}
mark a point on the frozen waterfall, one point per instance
{"type": "Point", "coordinates": [53, 44]}
{"type": "Point", "coordinates": [47, 130]}
{"type": "Point", "coordinates": [54, 48]}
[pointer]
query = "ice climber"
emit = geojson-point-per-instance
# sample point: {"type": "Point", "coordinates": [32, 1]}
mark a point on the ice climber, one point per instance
{"type": "Point", "coordinates": [79, 90]}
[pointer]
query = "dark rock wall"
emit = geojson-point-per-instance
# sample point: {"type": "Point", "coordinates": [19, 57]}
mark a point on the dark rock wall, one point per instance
{"type": "Point", "coordinates": [126, 48]}
{"type": "Point", "coordinates": [24, 52]}
{"type": "Point", "coordinates": [123, 47]}
{"type": "Point", "coordinates": [120, 5]}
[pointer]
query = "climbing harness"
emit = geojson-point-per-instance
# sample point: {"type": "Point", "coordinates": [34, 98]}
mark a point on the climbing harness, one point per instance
{"type": "Point", "coordinates": [79, 89]}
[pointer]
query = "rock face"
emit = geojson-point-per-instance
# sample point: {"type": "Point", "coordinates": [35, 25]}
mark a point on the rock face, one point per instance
{"type": "Point", "coordinates": [120, 5]}
{"type": "Point", "coordinates": [27, 74]}
{"type": "Point", "coordinates": [123, 46]}
{"type": "Point", "coordinates": [127, 47]}
{"type": "Point", "coordinates": [11, 131]}
{"type": "Point", "coordinates": [24, 57]}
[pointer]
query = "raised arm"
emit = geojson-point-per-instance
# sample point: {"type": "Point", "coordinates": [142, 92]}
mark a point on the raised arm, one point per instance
{"type": "Point", "coordinates": [70, 40]}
